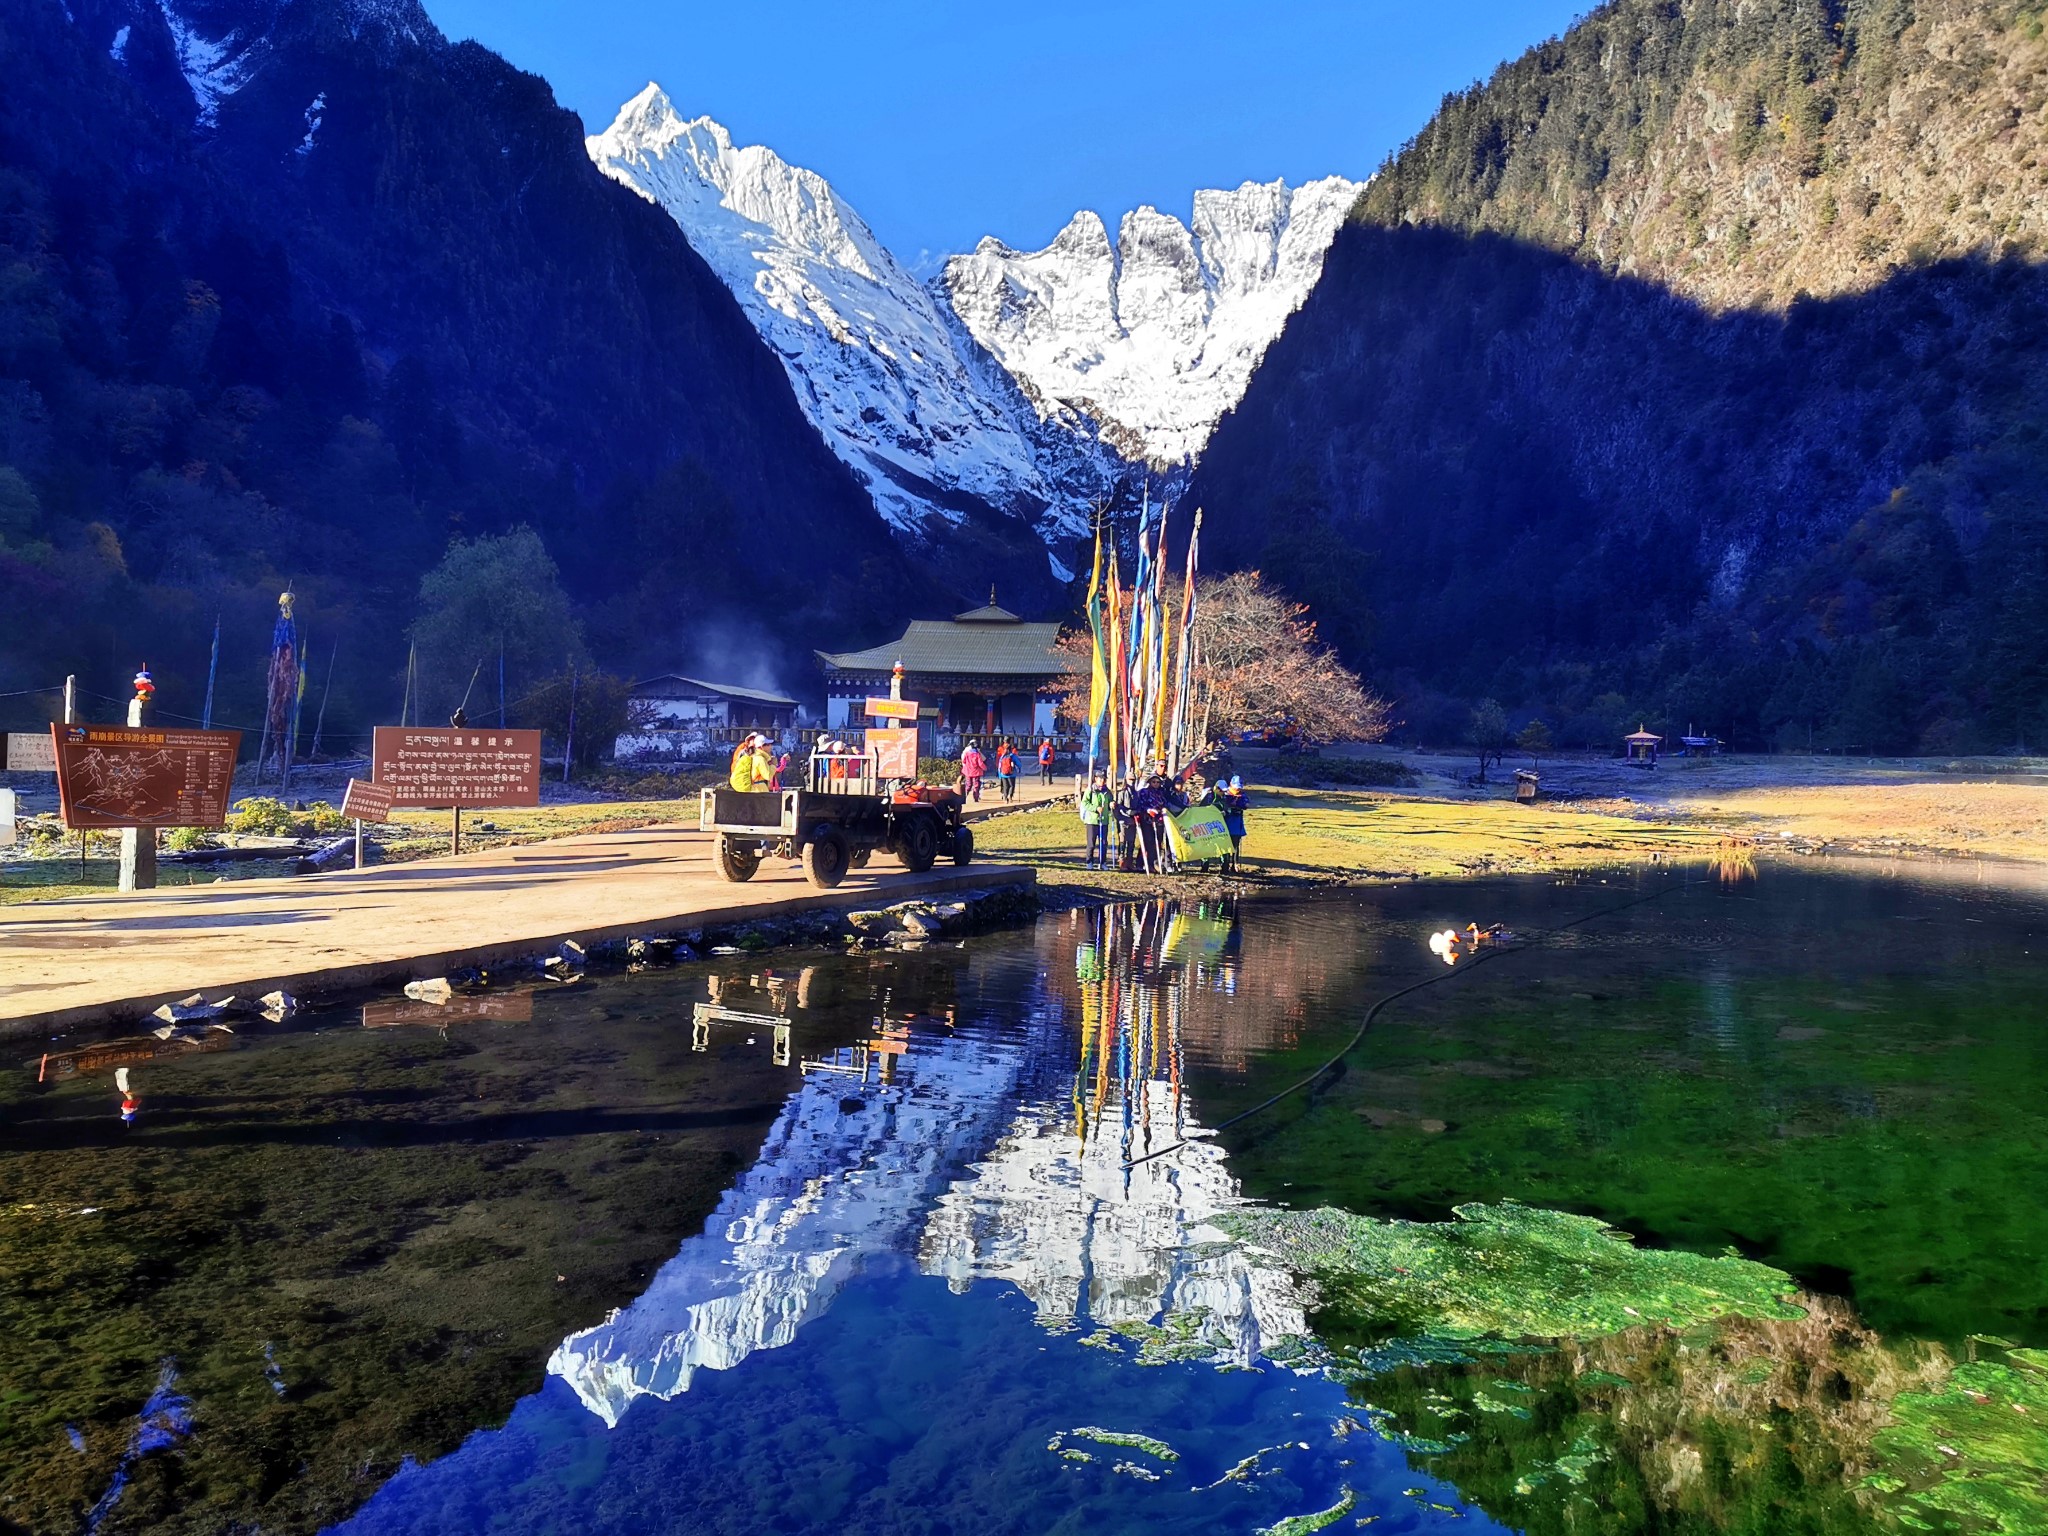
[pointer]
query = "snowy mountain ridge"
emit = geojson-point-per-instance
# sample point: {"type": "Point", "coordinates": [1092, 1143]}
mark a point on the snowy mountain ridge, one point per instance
{"type": "Point", "coordinates": [1024, 382]}
{"type": "Point", "coordinates": [1154, 337]}
{"type": "Point", "coordinates": [876, 362]}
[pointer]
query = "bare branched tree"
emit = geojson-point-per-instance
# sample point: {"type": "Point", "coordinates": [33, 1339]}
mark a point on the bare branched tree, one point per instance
{"type": "Point", "coordinates": [1259, 664]}
{"type": "Point", "coordinates": [1263, 665]}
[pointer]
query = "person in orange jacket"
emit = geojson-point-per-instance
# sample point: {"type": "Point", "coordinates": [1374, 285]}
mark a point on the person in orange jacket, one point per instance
{"type": "Point", "coordinates": [1006, 769]}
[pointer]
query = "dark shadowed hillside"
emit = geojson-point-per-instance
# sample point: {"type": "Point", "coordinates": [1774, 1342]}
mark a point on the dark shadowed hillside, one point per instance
{"type": "Point", "coordinates": [1691, 367]}
{"type": "Point", "coordinates": [295, 292]}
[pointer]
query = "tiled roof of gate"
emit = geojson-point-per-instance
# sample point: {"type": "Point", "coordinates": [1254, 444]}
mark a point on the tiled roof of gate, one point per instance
{"type": "Point", "coordinates": [992, 648]}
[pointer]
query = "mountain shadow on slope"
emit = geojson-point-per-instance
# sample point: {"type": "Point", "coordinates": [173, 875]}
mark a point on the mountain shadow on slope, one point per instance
{"type": "Point", "coordinates": [1587, 496]}
{"type": "Point", "coordinates": [301, 300]}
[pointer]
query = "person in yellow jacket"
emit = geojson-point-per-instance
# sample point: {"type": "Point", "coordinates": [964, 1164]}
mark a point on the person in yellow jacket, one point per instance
{"type": "Point", "coordinates": [742, 775]}
{"type": "Point", "coordinates": [761, 767]}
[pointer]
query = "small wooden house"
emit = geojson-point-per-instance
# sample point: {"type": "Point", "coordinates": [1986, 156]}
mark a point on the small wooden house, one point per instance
{"type": "Point", "coordinates": [1642, 744]}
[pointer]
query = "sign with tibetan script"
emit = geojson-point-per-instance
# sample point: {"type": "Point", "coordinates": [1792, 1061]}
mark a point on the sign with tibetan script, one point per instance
{"type": "Point", "coordinates": [30, 752]}
{"type": "Point", "coordinates": [139, 776]}
{"type": "Point", "coordinates": [467, 768]}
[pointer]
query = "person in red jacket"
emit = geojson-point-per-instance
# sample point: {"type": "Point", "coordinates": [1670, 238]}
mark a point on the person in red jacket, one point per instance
{"type": "Point", "coordinates": [1006, 769]}
{"type": "Point", "coordinates": [973, 766]}
{"type": "Point", "coordinates": [1045, 757]}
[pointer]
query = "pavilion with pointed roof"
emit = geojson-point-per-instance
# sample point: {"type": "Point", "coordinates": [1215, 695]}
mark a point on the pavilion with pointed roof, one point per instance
{"type": "Point", "coordinates": [985, 672]}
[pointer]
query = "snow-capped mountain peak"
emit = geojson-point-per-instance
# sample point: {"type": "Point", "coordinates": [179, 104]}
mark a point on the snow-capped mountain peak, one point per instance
{"type": "Point", "coordinates": [1022, 381]}
{"type": "Point", "coordinates": [797, 205]}
{"type": "Point", "coordinates": [905, 398]}
{"type": "Point", "coordinates": [1155, 337]}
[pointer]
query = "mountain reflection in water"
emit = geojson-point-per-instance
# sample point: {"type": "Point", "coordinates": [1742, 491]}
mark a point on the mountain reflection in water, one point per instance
{"type": "Point", "coordinates": [954, 1146]}
{"type": "Point", "coordinates": [983, 1154]}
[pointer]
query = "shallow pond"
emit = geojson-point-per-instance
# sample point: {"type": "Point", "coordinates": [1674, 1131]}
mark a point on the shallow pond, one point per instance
{"type": "Point", "coordinates": [1711, 1204]}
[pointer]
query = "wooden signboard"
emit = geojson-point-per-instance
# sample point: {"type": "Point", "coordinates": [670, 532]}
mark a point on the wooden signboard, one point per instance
{"type": "Point", "coordinates": [891, 709]}
{"type": "Point", "coordinates": [442, 767]}
{"type": "Point", "coordinates": [6, 818]}
{"type": "Point", "coordinates": [363, 801]}
{"type": "Point", "coordinates": [30, 752]}
{"type": "Point", "coordinates": [128, 776]}
{"type": "Point", "coordinates": [894, 752]}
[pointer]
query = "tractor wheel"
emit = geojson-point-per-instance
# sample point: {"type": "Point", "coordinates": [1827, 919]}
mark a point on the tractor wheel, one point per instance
{"type": "Point", "coordinates": [736, 862]}
{"type": "Point", "coordinates": [917, 843]}
{"type": "Point", "coordinates": [826, 856]}
{"type": "Point", "coordinates": [963, 845]}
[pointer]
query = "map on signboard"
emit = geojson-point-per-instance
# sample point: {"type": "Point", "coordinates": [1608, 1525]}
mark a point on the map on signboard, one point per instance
{"type": "Point", "coordinates": [122, 785]}
{"type": "Point", "coordinates": [894, 751]}
{"type": "Point", "coordinates": [112, 776]}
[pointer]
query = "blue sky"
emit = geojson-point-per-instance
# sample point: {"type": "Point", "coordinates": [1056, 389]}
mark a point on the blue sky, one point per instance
{"type": "Point", "coordinates": [942, 122]}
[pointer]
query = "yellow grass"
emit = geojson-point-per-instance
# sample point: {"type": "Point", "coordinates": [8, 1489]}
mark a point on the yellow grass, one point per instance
{"type": "Point", "coordinates": [1320, 835]}
{"type": "Point", "coordinates": [2008, 821]}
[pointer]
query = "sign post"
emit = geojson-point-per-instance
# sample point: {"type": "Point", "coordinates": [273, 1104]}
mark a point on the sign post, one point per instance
{"type": "Point", "coordinates": [894, 748]}
{"type": "Point", "coordinates": [363, 802]}
{"type": "Point", "coordinates": [138, 844]}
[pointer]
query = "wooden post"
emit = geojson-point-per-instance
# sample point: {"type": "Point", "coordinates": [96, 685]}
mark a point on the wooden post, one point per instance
{"type": "Point", "coordinates": [71, 718]}
{"type": "Point", "coordinates": [457, 848]}
{"type": "Point", "coordinates": [569, 743]}
{"type": "Point", "coordinates": [359, 842]}
{"type": "Point", "coordinates": [320, 719]}
{"type": "Point", "coordinates": [138, 844]}
{"type": "Point", "coordinates": [212, 667]}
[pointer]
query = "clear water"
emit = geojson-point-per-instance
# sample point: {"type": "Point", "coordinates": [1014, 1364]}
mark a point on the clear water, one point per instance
{"type": "Point", "coordinates": [590, 1270]}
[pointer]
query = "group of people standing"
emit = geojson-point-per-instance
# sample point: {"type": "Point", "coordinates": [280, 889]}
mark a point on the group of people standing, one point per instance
{"type": "Point", "coordinates": [974, 766]}
{"type": "Point", "coordinates": [1134, 817]}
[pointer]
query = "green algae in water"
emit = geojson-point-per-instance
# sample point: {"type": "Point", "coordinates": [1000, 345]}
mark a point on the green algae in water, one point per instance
{"type": "Point", "coordinates": [1303, 1525]}
{"type": "Point", "coordinates": [1508, 1271]}
{"type": "Point", "coordinates": [1976, 1449]}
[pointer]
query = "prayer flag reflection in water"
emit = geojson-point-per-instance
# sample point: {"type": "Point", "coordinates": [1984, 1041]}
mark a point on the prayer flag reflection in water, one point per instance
{"type": "Point", "coordinates": [935, 1284]}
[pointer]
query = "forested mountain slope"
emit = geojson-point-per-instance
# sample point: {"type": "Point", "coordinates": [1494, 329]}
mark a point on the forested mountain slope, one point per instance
{"type": "Point", "coordinates": [1693, 366]}
{"type": "Point", "coordinates": [295, 292]}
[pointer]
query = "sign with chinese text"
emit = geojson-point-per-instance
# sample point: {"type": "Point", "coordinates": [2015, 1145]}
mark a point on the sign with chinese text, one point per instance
{"type": "Point", "coordinates": [6, 818]}
{"type": "Point", "coordinates": [891, 709]}
{"type": "Point", "coordinates": [139, 776]}
{"type": "Point", "coordinates": [366, 802]}
{"type": "Point", "coordinates": [894, 752]}
{"type": "Point", "coordinates": [29, 752]}
{"type": "Point", "coordinates": [443, 767]}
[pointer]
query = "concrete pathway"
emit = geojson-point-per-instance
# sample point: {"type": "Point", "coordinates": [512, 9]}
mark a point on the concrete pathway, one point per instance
{"type": "Point", "coordinates": [1029, 792]}
{"type": "Point", "coordinates": [89, 959]}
